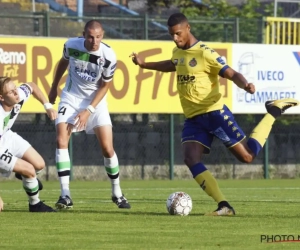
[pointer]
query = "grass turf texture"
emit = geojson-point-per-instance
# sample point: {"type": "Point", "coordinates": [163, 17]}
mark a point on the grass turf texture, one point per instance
{"type": "Point", "coordinates": [264, 207]}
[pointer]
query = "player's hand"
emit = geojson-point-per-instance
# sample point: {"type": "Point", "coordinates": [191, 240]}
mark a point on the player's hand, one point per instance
{"type": "Point", "coordinates": [1, 204]}
{"type": "Point", "coordinates": [250, 88]}
{"type": "Point", "coordinates": [52, 114]}
{"type": "Point", "coordinates": [81, 120]}
{"type": "Point", "coordinates": [136, 60]}
{"type": "Point", "coordinates": [52, 95]}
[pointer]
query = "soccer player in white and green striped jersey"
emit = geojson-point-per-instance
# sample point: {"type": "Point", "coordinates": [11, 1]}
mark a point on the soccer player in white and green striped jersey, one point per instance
{"type": "Point", "coordinates": [16, 154]}
{"type": "Point", "coordinates": [83, 106]}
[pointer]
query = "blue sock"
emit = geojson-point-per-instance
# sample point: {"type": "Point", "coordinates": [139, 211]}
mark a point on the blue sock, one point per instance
{"type": "Point", "coordinates": [254, 146]}
{"type": "Point", "coordinates": [197, 169]}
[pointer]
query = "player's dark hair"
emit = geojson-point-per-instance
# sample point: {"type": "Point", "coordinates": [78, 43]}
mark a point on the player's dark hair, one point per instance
{"type": "Point", "coordinates": [176, 18]}
{"type": "Point", "coordinates": [92, 24]}
{"type": "Point", "coordinates": [3, 81]}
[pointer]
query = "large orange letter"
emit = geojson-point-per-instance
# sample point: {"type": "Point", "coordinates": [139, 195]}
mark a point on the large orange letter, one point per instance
{"type": "Point", "coordinates": [37, 73]}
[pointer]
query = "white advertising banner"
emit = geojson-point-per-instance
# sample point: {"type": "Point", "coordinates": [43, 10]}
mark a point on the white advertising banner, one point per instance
{"type": "Point", "coordinates": [273, 69]}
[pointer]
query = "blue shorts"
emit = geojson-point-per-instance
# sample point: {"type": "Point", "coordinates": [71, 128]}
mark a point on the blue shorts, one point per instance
{"type": "Point", "coordinates": [219, 123]}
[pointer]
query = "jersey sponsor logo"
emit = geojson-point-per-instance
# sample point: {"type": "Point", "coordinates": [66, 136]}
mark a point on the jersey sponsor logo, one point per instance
{"type": "Point", "coordinates": [13, 60]}
{"type": "Point", "coordinates": [184, 79]}
{"type": "Point", "coordinates": [26, 89]}
{"type": "Point", "coordinates": [17, 108]}
{"type": "Point", "coordinates": [15, 111]}
{"type": "Point", "coordinates": [221, 134]}
{"type": "Point", "coordinates": [221, 60]}
{"type": "Point", "coordinates": [86, 74]}
{"type": "Point", "coordinates": [100, 61]}
{"type": "Point", "coordinates": [193, 62]}
{"type": "Point", "coordinates": [84, 56]}
{"type": "Point", "coordinates": [175, 62]}
{"type": "Point", "coordinates": [114, 66]}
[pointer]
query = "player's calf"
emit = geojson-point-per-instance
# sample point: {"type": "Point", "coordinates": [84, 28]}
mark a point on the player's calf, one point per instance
{"type": "Point", "coordinates": [19, 176]}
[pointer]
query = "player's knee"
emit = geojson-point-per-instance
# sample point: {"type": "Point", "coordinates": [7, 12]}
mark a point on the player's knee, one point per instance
{"type": "Point", "coordinates": [27, 171]}
{"type": "Point", "coordinates": [108, 152]}
{"type": "Point", "coordinates": [40, 165]}
{"type": "Point", "coordinates": [189, 161]}
{"type": "Point", "coordinates": [61, 142]}
{"type": "Point", "coordinates": [246, 158]}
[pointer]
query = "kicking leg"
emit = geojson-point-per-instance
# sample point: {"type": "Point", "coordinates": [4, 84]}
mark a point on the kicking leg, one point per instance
{"type": "Point", "coordinates": [247, 151]}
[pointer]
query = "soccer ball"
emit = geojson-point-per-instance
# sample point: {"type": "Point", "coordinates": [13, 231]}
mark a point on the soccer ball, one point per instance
{"type": "Point", "coordinates": [179, 203]}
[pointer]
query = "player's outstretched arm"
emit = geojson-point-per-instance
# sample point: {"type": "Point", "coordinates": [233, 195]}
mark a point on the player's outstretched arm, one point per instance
{"type": "Point", "coordinates": [61, 69]}
{"type": "Point", "coordinates": [164, 66]}
{"type": "Point", "coordinates": [1, 204]}
{"type": "Point", "coordinates": [239, 80]}
{"type": "Point", "coordinates": [38, 94]}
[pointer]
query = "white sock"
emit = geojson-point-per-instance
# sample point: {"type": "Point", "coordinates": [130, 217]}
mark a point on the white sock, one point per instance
{"type": "Point", "coordinates": [31, 187]}
{"type": "Point", "coordinates": [63, 167]}
{"type": "Point", "coordinates": [112, 170]}
{"type": "Point", "coordinates": [37, 172]}
{"type": "Point", "coordinates": [65, 186]}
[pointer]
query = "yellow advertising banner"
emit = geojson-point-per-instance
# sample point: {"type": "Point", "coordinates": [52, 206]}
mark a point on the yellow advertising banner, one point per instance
{"type": "Point", "coordinates": [134, 90]}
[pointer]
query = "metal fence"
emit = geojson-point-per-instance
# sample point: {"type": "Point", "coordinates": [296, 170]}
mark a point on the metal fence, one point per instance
{"type": "Point", "coordinates": [145, 27]}
{"type": "Point", "coordinates": [282, 30]}
{"type": "Point", "coordinates": [148, 145]}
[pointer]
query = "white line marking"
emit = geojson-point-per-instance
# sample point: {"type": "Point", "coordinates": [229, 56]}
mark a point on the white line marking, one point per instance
{"type": "Point", "coordinates": [155, 189]}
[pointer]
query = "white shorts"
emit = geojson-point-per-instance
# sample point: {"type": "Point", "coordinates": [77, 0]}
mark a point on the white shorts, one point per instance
{"type": "Point", "coordinates": [70, 106]}
{"type": "Point", "coordinates": [12, 147]}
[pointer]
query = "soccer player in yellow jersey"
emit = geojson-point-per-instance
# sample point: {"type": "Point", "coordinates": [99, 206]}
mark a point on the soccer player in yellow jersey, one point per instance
{"type": "Point", "coordinates": [198, 69]}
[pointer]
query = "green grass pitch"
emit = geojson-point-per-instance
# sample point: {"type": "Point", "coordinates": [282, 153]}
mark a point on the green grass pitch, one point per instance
{"type": "Point", "coordinates": [264, 207]}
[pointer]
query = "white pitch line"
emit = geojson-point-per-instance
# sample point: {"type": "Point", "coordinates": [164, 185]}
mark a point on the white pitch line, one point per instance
{"type": "Point", "coordinates": [156, 189]}
{"type": "Point", "coordinates": [159, 200]}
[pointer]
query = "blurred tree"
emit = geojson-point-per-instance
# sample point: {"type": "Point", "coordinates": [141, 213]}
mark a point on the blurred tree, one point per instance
{"type": "Point", "coordinates": [216, 19]}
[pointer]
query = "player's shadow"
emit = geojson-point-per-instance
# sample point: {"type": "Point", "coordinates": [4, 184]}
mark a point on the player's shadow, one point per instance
{"type": "Point", "coordinates": [143, 213]}
{"type": "Point", "coordinates": [125, 212]}
{"type": "Point", "coordinates": [14, 210]}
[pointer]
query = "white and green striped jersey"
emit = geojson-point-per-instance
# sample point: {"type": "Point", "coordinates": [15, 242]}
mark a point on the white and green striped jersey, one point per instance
{"type": "Point", "coordinates": [86, 68]}
{"type": "Point", "coordinates": [7, 119]}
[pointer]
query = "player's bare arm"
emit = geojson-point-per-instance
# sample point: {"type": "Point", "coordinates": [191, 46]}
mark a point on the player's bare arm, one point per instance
{"type": "Point", "coordinates": [61, 69]}
{"type": "Point", "coordinates": [1, 204]}
{"type": "Point", "coordinates": [38, 94]}
{"type": "Point", "coordinates": [163, 66]}
{"type": "Point", "coordinates": [239, 80]}
{"type": "Point", "coordinates": [83, 116]}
